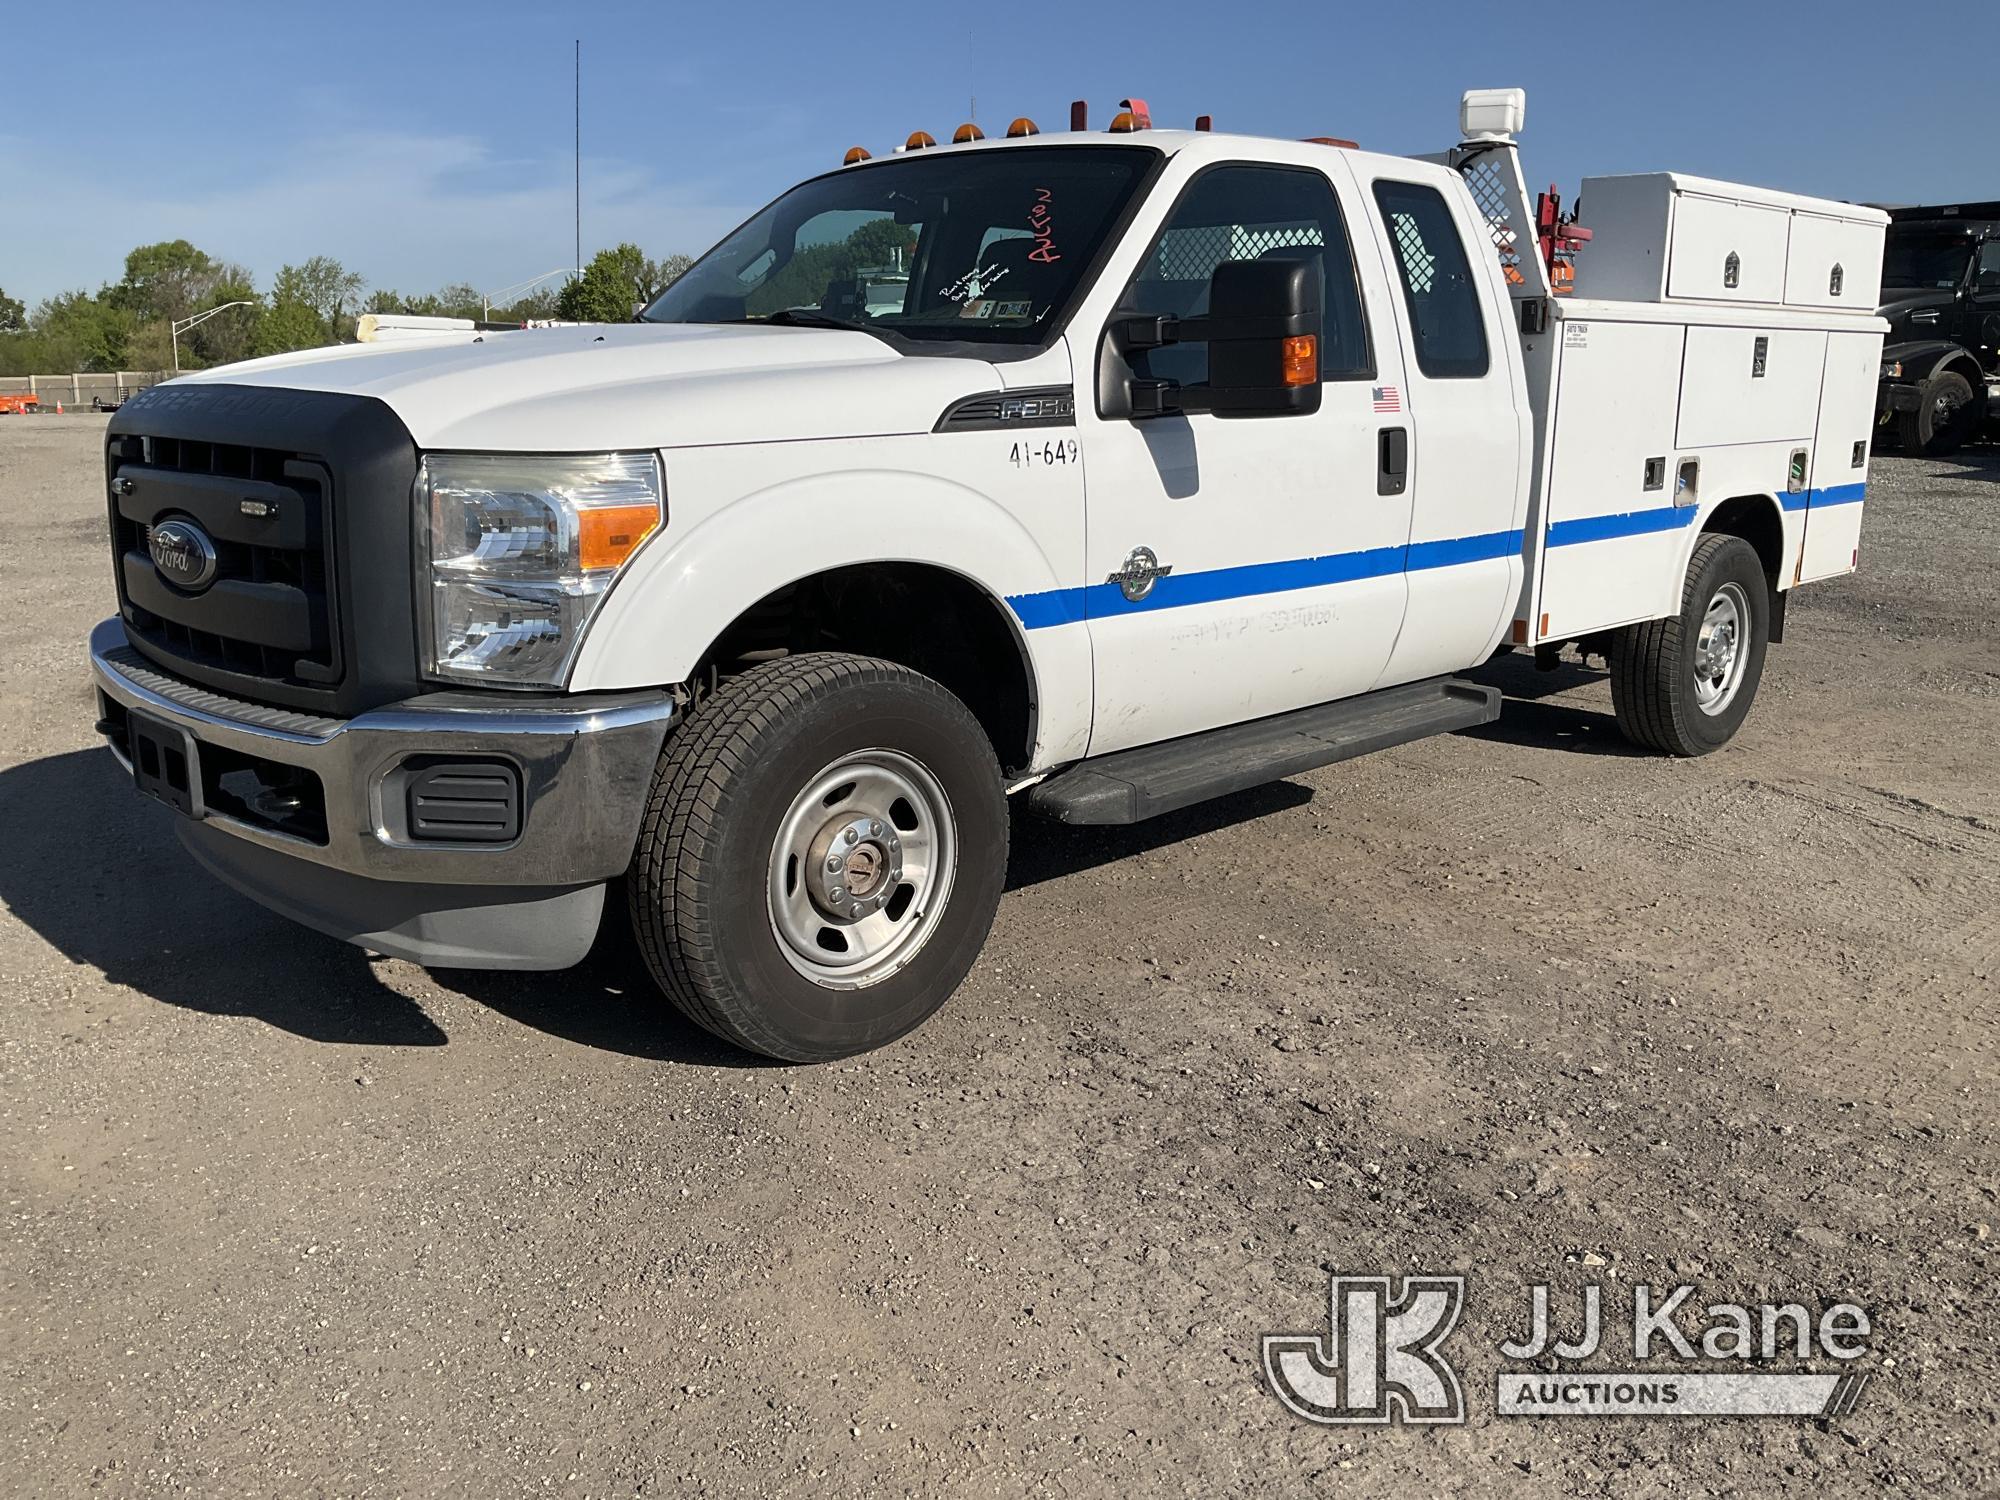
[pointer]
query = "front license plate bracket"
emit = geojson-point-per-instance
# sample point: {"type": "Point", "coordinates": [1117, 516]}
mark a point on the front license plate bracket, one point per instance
{"type": "Point", "coordinates": [165, 764]}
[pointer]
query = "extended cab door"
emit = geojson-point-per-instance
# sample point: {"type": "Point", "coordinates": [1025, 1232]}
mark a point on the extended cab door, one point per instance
{"type": "Point", "coordinates": [1246, 566]}
{"type": "Point", "coordinates": [1467, 391]}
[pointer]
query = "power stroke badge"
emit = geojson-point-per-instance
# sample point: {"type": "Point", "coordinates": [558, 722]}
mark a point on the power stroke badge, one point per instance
{"type": "Point", "coordinates": [1383, 1356]}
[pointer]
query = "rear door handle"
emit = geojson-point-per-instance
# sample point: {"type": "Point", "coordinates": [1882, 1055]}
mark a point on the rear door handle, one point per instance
{"type": "Point", "coordinates": [1392, 469]}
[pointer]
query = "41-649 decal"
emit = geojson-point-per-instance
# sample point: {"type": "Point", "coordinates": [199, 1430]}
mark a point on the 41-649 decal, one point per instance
{"type": "Point", "coordinates": [1033, 455]}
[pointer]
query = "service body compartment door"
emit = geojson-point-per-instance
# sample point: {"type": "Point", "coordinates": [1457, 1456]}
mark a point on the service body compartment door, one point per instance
{"type": "Point", "coordinates": [1614, 529]}
{"type": "Point", "coordinates": [1727, 251]}
{"type": "Point", "coordinates": [1833, 263]}
{"type": "Point", "coordinates": [1242, 567]}
{"type": "Point", "coordinates": [1846, 420]}
{"type": "Point", "coordinates": [1746, 385]}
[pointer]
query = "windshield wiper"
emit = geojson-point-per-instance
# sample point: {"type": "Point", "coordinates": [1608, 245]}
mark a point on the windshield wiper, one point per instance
{"type": "Point", "coordinates": [807, 317]}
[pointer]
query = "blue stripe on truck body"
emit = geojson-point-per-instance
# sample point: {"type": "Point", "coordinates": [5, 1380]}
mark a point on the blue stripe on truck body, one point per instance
{"type": "Point", "coordinates": [1177, 590]}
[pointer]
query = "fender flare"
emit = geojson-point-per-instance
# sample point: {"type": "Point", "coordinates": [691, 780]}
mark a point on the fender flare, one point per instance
{"type": "Point", "coordinates": [1921, 361]}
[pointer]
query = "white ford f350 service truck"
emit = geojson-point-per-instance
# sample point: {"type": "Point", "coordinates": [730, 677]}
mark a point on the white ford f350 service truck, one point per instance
{"type": "Point", "coordinates": [1112, 470]}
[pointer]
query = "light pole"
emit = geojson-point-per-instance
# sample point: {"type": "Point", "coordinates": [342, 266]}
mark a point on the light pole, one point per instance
{"type": "Point", "coordinates": [181, 325]}
{"type": "Point", "coordinates": [487, 299]}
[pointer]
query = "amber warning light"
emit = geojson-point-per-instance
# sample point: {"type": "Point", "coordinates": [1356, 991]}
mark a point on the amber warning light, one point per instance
{"type": "Point", "coordinates": [1301, 355]}
{"type": "Point", "coordinates": [612, 533]}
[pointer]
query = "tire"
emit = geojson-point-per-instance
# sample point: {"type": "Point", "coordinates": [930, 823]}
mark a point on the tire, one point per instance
{"type": "Point", "coordinates": [1944, 419]}
{"type": "Point", "coordinates": [792, 768]}
{"type": "Point", "coordinates": [1665, 696]}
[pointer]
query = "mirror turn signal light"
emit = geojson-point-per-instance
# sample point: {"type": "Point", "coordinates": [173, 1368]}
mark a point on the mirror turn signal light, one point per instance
{"type": "Point", "coordinates": [1301, 359]}
{"type": "Point", "coordinates": [854, 154]}
{"type": "Point", "coordinates": [608, 535]}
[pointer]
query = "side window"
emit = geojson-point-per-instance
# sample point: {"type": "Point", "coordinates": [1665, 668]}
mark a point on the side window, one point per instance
{"type": "Point", "coordinates": [1249, 213]}
{"type": "Point", "coordinates": [1989, 263]}
{"type": "Point", "coordinates": [1437, 281]}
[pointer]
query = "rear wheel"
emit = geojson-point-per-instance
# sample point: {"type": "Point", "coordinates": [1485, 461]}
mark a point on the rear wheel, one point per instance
{"type": "Point", "coordinates": [821, 856]}
{"type": "Point", "coordinates": [1945, 418]}
{"type": "Point", "coordinates": [1684, 685]}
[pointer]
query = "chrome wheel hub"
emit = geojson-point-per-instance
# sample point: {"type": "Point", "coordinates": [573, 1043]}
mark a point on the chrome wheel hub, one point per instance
{"type": "Point", "coordinates": [861, 867]}
{"type": "Point", "coordinates": [1718, 649]}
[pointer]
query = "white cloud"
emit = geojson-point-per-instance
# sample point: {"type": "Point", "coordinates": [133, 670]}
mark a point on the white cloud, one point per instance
{"type": "Point", "coordinates": [411, 211]}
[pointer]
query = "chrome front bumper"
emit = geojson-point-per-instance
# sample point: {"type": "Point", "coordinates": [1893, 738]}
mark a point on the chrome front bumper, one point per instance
{"type": "Point", "coordinates": [584, 766]}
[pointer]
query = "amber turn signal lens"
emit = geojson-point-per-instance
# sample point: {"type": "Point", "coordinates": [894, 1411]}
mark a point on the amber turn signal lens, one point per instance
{"type": "Point", "coordinates": [609, 535]}
{"type": "Point", "coordinates": [1301, 355]}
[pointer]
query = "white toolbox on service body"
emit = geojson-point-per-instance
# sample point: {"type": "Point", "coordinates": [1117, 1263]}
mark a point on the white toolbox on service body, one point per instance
{"type": "Point", "coordinates": [1665, 236]}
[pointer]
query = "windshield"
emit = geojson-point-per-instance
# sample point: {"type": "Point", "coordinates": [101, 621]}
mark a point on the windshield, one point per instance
{"type": "Point", "coordinates": [987, 246]}
{"type": "Point", "coordinates": [1914, 260]}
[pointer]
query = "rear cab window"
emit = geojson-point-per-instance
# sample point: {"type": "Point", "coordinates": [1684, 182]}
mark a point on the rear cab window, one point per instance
{"type": "Point", "coordinates": [1447, 323]}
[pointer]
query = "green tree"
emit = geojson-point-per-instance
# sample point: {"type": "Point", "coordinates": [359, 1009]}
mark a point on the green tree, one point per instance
{"type": "Point", "coordinates": [291, 324]}
{"type": "Point", "coordinates": [600, 295]}
{"type": "Point", "coordinates": [325, 287]}
{"type": "Point", "coordinates": [77, 331]}
{"type": "Point", "coordinates": [13, 316]}
{"type": "Point", "coordinates": [537, 306]}
{"type": "Point", "coordinates": [172, 279]}
{"type": "Point", "coordinates": [615, 282]}
{"type": "Point", "coordinates": [458, 300]}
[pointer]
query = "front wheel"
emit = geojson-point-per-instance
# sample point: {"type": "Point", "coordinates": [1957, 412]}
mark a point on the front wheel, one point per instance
{"type": "Point", "coordinates": [821, 856]}
{"type": "Point", "coordinates": [1945, 418]}
{"type": "Point", "coordinates": [1683, 685]}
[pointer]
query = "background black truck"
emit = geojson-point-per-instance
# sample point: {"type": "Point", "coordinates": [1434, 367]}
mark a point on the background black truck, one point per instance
{"type": "Point", "coordinates": [1941, 295]}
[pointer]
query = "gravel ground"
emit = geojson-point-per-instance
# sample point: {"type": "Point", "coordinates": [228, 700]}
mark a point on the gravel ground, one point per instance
{"type": "Point", "coordinates": [285, 1220]}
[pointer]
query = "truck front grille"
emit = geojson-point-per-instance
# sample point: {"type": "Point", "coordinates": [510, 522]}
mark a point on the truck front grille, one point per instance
{"type": "Point", "coordinates": [268, 615]}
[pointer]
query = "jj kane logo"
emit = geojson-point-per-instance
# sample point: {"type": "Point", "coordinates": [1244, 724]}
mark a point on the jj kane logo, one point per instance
{"type": "Point", "coordinates": [1382, 1357]}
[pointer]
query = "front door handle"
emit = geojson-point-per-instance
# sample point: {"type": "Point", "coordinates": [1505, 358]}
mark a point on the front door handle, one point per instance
{"type": "Point", "coordinates": [1392, 468]}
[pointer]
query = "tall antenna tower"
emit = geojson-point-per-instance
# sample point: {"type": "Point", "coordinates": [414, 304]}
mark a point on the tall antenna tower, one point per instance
{"type": "Point", "coordinates": [579, 158]}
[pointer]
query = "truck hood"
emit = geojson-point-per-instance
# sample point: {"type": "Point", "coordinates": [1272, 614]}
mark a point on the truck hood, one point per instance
{"type": "Point", "coordinates": [633, 385]}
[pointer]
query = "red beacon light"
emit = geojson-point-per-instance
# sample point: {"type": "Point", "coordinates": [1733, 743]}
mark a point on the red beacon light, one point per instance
{"type": "Point", "coordinates": [1133, 114]}
{"type": "Point", "coordinates": [1021, 127]}
{"type": "Point", "coordinates": [918, 140]}
{"type": "Point", "coordinates": [855, 154]}
{"type": "Point", "coordinates": [967, 132]}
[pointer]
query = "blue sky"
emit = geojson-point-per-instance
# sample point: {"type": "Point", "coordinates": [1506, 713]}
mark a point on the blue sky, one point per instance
{"type": "Point", "coordinates": [426, 143]}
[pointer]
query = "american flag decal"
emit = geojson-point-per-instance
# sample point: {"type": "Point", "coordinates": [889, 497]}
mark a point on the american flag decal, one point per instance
{"type": "Point", "coordinates": [1387, 398]}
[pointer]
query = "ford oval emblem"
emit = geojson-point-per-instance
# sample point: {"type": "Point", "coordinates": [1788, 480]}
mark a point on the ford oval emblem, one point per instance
{"type": "Point", "coordinates": [183, 555]}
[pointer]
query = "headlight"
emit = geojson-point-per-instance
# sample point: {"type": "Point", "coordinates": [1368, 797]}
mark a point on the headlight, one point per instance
{"type": "Point", "coordinates": [518, 552]}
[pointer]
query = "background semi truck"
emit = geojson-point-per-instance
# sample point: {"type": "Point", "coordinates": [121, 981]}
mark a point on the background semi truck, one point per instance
{"type": "Point", "coordinates": [1941, 297]}
{"type": "Point", "coordinates": [1176, 462]}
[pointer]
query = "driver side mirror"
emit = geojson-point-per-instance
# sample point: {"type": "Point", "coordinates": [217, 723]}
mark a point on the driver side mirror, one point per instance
{"type": "Point", "coordinates": [1262, 330]}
